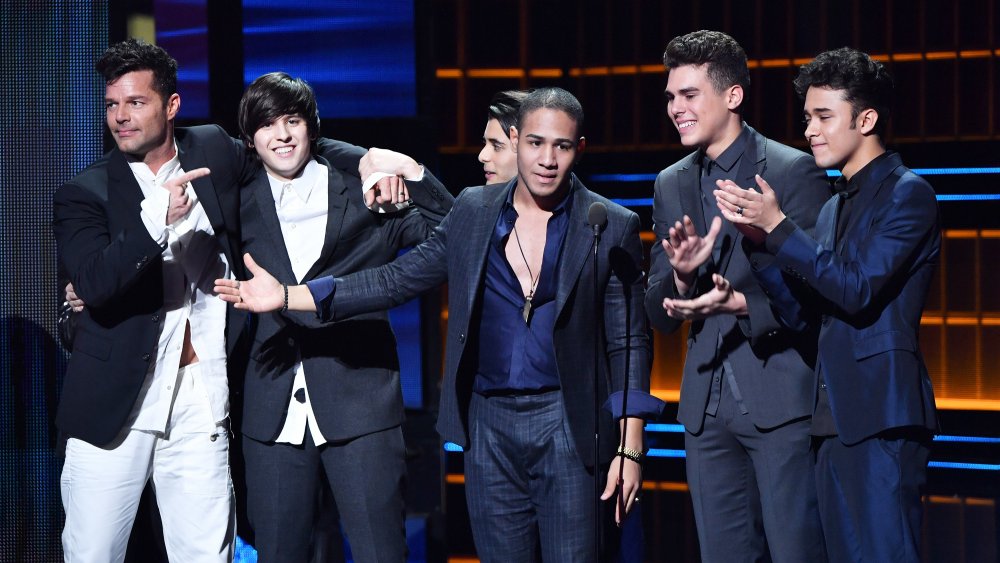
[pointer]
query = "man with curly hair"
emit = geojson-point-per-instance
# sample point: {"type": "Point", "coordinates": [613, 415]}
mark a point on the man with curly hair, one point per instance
{"type": "Point", "coordinates": [863, 280]}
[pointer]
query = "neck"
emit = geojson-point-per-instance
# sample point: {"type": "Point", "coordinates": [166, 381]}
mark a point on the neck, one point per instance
{"type": "Point", "coordinates": [869, 150]}
{"type": "Point", "coordinates": [725, 138]}
{"type": "Point", "coordinates": [161, 154]}
{"type": "Point", "coordinates": [525, 201]}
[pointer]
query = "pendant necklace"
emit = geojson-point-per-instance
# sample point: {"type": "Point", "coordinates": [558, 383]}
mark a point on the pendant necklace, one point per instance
{"type": "Point", "coordinates": [526, 310]}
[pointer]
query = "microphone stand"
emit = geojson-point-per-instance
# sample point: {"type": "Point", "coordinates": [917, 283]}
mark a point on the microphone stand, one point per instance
{"type": "Point", "coordinates": [598, 309]}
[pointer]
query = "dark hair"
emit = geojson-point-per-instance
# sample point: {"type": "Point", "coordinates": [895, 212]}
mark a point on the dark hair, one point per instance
{"type": "Point", "coordinates": [866, 83]}
{"type": "Point", "coordinates": [275, 94]}
{"type": "Point", "coordinates": [504, 107]}
{"type": "Point", "coordinates": [726, 60]}
{"type": "Point", "coordinates": [134, 54]}
{"type": "Point", "coordinates": [555, 99]}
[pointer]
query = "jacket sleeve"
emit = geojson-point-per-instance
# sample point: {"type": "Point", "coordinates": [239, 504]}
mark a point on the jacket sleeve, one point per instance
{"type": "Point", "coordinates": [661, 274]}
{"type": "Point", "coordinates": [626, 333]}
{"type": "Point", "coordinates": [905, 225]}
{"type": "Point", "coordinates": [804, 189]}
{"type": "Point", "coordinates": [100, 266]}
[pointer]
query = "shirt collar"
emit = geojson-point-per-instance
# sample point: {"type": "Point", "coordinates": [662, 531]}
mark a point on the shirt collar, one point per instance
{"type": "Point", "coordinates": [563, 206]}
{"type": "Point", "coordinates": [730, 156]}
{"type": "Point", "coordinates": [848, 188]}
{"type": "Point", "coordinates": [302, 186]}
{"type": "Point", "coordinates": [142, 170]}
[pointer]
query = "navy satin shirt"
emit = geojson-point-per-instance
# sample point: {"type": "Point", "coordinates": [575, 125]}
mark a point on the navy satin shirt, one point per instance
{"type": "Point", "coordinates": [514, 356]}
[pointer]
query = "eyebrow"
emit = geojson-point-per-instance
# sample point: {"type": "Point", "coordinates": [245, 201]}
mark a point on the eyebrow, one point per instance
{"type": "Point", "coordinates": [815, 110]}
{"type": "Point", "coordinates": [541, 138]}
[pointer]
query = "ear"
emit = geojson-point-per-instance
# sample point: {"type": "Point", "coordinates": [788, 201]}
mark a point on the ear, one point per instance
{"type": "Point", "coordinates": [866, 121]}
{"type": "Point", "coordinates": [173, 106]}
{"type": "Point", "coordinates": [580, 146]}
{"type": "Point", "coordinates": [734, 97]}
{"type": "Point", "coordinates": [513, 138]}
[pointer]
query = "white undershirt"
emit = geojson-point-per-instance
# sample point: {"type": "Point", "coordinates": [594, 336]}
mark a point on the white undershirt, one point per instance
{"type": "Point", "coordinates": [302, 206]}
{"type": "Point", "coordinates": [192, 260]}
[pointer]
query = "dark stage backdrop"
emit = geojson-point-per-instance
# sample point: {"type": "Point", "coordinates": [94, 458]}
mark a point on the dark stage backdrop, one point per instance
{"type": "Point", "coordinates": [51, 121]}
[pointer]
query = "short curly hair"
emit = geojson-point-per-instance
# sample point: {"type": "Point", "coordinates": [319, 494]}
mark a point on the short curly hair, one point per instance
{"type": "Point", "coordinates": [726, 60]}
{"type": "Point", "coordinates": [133, 55]}
{"type": "Point", "coordinates": [866, 83]}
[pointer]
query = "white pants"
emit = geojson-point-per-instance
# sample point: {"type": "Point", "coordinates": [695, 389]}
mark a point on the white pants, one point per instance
{"type": "Point", "coordinates": [194, 492]}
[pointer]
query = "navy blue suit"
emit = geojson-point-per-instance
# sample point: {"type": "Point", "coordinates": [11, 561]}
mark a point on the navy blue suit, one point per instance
{"type": "Point", "coordinates": [457, 253]}
{"type": "Point", "coordinates": [867, 293]}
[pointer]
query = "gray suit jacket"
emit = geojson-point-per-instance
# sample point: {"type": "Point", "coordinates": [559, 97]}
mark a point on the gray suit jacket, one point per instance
{"type": "Point", "coordinates": [351, 367]}
{"type": "Point", "coordinates": [772, 366]}
{"type": "Point", "coordinates": [457, 254]}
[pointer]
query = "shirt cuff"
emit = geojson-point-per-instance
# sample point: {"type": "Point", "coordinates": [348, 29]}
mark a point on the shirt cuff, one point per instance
{"type": "Point", "coordinates": [153, 212]}
{"type": "Point", "coordinates": [323, 290]}
{"type": "Point", "coordinates": [640, 405]}
{"type": "Point", "coordinates": [777, 237]}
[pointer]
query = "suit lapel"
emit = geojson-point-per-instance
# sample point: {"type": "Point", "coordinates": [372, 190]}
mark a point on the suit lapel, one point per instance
{"type": "Point", "coordinates": [479, 238]}
{"type": "Point", "coordinates": [826, 222]}
{"type": "Point", "coordinates": [753, 162]}
{"type": "Point", "coordinates": [192, 157]}
{"type": "Point", "coordinates": [264, 200]}
{"type": "Point", "coordinates": [577, 246]}
{"type": "Point", "coordinates": [337, 203]}
{"type": "Point", "coordinates": [689, 193]}
{"type": "Point", "coordinates": [123, 185]}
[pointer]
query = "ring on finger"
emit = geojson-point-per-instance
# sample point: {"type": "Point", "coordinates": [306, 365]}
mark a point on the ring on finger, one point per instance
{"type": "Point", "coordinates": [739, 210]}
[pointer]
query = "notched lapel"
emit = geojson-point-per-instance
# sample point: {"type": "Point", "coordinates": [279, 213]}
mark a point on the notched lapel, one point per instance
{"type": "Point", "coordinates": [577, 246]}
{"type": "Point", "coordinates": [275, 242]}
{"type": "Point", "coordinates": [192, 158]}
{"type": "Point", "coordinates": [482, 232]}
{"type": "Point", "coordinates": [122, 184]}
{"type": "Point", "coordinates": [337, 203]}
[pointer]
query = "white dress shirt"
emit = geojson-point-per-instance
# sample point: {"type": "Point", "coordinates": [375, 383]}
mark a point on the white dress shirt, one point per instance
{"type": "Point", "coordinates": [302, 206]}
{"type": "Point", "coordinates": [192, 260]}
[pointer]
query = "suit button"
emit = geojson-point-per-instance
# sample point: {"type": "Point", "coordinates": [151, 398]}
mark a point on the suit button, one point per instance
{"type": "Point", "coordinates": [716, 379]}
{"type": "Point", "coordinates": [461, 338]}
{"type": "Point", "coordinates": [138, 265]}
{"type": "Point", "coordinates": [773, 333]}
{"type": "Point", "coordinates": [291, 341]}
{"type": "Point", "coordinates": [822, 385]}
{"type": "Point", "coordinates": [145, 357]}
{"type": "Point", "coordinates": [155, 318]}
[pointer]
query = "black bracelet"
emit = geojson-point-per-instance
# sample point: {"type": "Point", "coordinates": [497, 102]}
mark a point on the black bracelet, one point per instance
{"type": "Point", "coordinates": [284, 306]}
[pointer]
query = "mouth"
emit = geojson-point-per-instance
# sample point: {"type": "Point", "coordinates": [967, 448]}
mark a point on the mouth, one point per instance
{"type": "Point", "coordinates": [545, 178]}
{"type": "Point", "coordinates": [284, 151]}
{"type": "Point", "coordinates": [126, 132]}
{"type": "Point", "coordinates": [489, 174]}
{"type": "Point", "coordinates": [683, 126]}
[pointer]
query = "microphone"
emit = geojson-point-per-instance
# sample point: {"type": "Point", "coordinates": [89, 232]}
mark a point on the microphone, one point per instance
{"type": "Point", "coordinates": [597, 217]}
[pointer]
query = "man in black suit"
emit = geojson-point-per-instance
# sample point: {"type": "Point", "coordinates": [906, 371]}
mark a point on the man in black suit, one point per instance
{"type": "Point", "coordinates": [323, 401]}
{"type": "Point", "coordinates": [145, 395]}
{"type": "Point", "coordinates": [518, 394]}
{"type": "Point", "coordinates": [746, 394]}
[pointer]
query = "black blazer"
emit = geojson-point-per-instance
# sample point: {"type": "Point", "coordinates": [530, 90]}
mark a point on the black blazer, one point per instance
{"type": "Point", "coordinates": [457, 254]}
{"type": "Point", "coordinates": [772, 367]}
{"type": "Point", "coordinates": [351, 367]}
{"type": "Point", "coordinates": [115, 267]}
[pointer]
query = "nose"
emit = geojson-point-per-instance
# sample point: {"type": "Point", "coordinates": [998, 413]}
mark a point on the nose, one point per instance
{"type": "Point", "coordinates": [812, 128]}
{"type": "Point", "coordinates": [675, 107]}
{"type": "Point", "coordinates": [121, 113]}
{"type": "Point", "coordinates": [547, 158]}
{"type": "Point", "coordinates": [484, 155]}
{"type": "Point", "coordinates": [281, 131]}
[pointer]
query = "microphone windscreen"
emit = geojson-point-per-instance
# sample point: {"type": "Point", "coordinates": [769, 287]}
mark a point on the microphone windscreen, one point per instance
{"type": "Point", "coordinates": [597, 215]}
